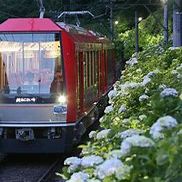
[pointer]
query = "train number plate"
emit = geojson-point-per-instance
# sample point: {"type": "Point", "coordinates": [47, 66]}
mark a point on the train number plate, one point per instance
{"type": "Point", "coordinates": [24, 134]}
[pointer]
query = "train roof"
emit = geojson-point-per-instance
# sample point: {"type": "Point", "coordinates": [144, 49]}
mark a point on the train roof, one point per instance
{"type": "Point", "coordinates": [28, 25]}
{"type": "Point", "coordinates": [78, 34]}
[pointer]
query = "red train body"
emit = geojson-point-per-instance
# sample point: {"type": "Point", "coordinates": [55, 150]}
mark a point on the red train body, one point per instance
{"type": "Point", "coordinates": [54, 79]}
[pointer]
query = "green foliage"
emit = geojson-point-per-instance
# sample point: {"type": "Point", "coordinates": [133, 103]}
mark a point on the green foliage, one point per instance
{"type": "Point", "coordinates": [156, 70]}
{"type": "Point", "coordinates": [150, 34]}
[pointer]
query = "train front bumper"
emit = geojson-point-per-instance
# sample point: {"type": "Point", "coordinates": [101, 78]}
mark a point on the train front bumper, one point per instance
{"type": "Point", "coordinates": [43, 138]}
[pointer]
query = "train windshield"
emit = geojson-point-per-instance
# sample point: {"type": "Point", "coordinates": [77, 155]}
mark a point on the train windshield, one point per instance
{"type": "Point", "coordinates": [30, 63]}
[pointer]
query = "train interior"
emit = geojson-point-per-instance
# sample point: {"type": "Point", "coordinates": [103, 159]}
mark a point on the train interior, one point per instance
{"type": "Point", "coordinates": [30, 63]}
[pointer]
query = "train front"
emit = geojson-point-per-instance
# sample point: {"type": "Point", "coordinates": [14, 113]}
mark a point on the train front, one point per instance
{"type": "Point", "coordinates": [32, 88]}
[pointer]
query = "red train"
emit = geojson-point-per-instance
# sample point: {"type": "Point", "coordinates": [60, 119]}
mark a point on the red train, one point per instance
{"type": "Point", "coordinates": [54, 79]}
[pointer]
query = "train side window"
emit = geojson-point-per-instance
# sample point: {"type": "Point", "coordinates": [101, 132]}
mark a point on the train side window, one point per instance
{"type": "Point", "coordinates": [88, 69]}
{"type": "Point", "coordinates": [96, 67]}
{"type": "Point", "coordinates": [85, 71]}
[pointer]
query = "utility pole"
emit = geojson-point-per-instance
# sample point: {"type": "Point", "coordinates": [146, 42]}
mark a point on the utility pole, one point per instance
{"type": "Point", "coordinates": [177, 23]}
{"type": "Point", "coordinates": [41, 8]}
{"type": "Point", "coordinates": [111, 19]}
{"type": "Point", "coordinates": [136, 32]}
{"type": "Point", "coordinates": [165, 22]}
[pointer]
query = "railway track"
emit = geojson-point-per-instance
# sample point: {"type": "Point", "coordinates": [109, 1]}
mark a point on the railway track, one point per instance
{"type": "Point", "coordinates": [35, 168]}
{"type": "Point", "coordinates": [49, 174]}
{"type": "Point", "coordinates": [30, 168]}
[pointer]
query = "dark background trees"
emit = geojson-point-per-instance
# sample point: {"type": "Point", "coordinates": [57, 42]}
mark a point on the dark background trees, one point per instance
{"type": "Point", "coordinates": [123, 10]}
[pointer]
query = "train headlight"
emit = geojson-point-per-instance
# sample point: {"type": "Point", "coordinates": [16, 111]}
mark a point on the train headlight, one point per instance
{"type": "Point", "coordinates": [62, 99]}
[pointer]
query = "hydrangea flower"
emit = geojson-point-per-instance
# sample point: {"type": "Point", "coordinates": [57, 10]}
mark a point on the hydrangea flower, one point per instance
{"type": "Point", "coordinates": [122, 109]}
{"type": "Point", "coordinates": [112, 94]}
{"type": "Point", "coordinates": [79, 177]}
{"type": "Point", "coordinates": [101, 119]}
{"type": "Point", "coordinates": [114, 154]}
{"type": "Point", "coordinates": [92, 134]}
{"type": "Point", "coordinates": [108, 109]}
{"type": "Point", "coordinates": [179, 132]}
{"type": "Point", "coordinates": [126, 120]}
{"type": "Point", "coordinates": [142, 117]}
{"type": "Point", "coordinates": [174, 72]}
{"type": "Point", "coordinates": [132, 61]}
{"type": "Point", "coordinates": [103, 134]}
{"type": "Point", "coordinates": [146, 80]}
{"type": "Point", "coordinates": [151, 74]}
{"type": "Point", "coordinates": [72, 168]}
{"type": "Point", "coordinates": [130, 132]}
{"type": "Point", "coordinates": [179, 67]}
{"type": "Point", "coordinates": [129, 85]}
{"type": "Point", "coordinates": [94, 180]}
{"type": "Point", "coordinates": [169, 92]}
{"type": "Point", "coordinates": [72, 161]}
{"type": "Point", "coordinates": [108, 168]}
{"type": "Point", "coordinates": [173, 48]}
{"type": "Point", "coordinates": [135, 141]}
{"type": "Point", "coordinates": [143, 97]}
{"type": "Point", "coordinates": [162, 86]}
{"type": "Point", "coordinates": [90, 161]}
{"type": "Point", "coordinates": [123, 172]}
{"type": "Point", "coordinates": [162, 123]}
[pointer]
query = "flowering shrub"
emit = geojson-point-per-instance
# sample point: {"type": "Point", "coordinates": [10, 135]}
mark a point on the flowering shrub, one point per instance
{"type": "Point", "coordinates": [142, 136]}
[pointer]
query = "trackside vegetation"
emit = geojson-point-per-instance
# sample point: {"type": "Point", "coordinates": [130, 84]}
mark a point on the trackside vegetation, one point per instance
{"type": "Point", "coordinates": [141, 136]}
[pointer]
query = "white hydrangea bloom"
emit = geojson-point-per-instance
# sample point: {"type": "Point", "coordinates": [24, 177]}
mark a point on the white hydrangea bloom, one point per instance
{"type": "Point", "coordinates": [72, 168]}
{"type": "Point", "coordinates": [79, 177]}
{"type": "Point", "coordinates": [162, 123]}
{"type": "Point", "coordinates": [92, 134]}
{"type": "Point", "coordinates": [179, 132]}
{"type": "Point", "coordinates": [122, 109]}
{"type": "Point", "coordinates": [162, 86]}
{"type": "Point", "coordinates": [179, 68]}
{"type": "Point", "coordinates": [142, 117]}
{"type": "Point", "coordinates": [135, 141]}
{"type": "Point", "coordinates": [151, 74]}
{"type": "Point", "coordinates": [90, 161]}
{"type": "Point", "coordinates": [108, 168]}
{"type": "Point", "coordinates": [179, 76]}
{"type": "Point", "coordinates": [126, 120]}
{"type": "Point", "coordinates": [114, 154]}
{"type": "Point", "coordinates": [112, 94]}
{"type": "Point", "coordinates": [174, 72]}
{"type": "Point", "coordinates": [146, 80]}
{"type": "Point", "coordinates": [108, 109]}
{"type": "Point", "coordinates": [72, 161]}
{"type": "Point", "coordinates": [129, 85]}
{"type": "Point", "coordinates": [101, 119]}
{"type": "Point", "coordinates": [103, 134]}
{"type": "Point", "coordinates": [169, 92]}
{"type": "Point", "coordinates": [94, 180]}
{"type": "Point", "coordinates": [130, 132]}
{"type": "Point", "coordinates": [173, 48]}
{"type": "Point", "coordinates": [139, 70]}
{"type": "Point", "coordinates": [143, 97]}
{"type": "Point", "coordinates": [132, 61]}
{"type": "Point", "coordinates": [123, 172]}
